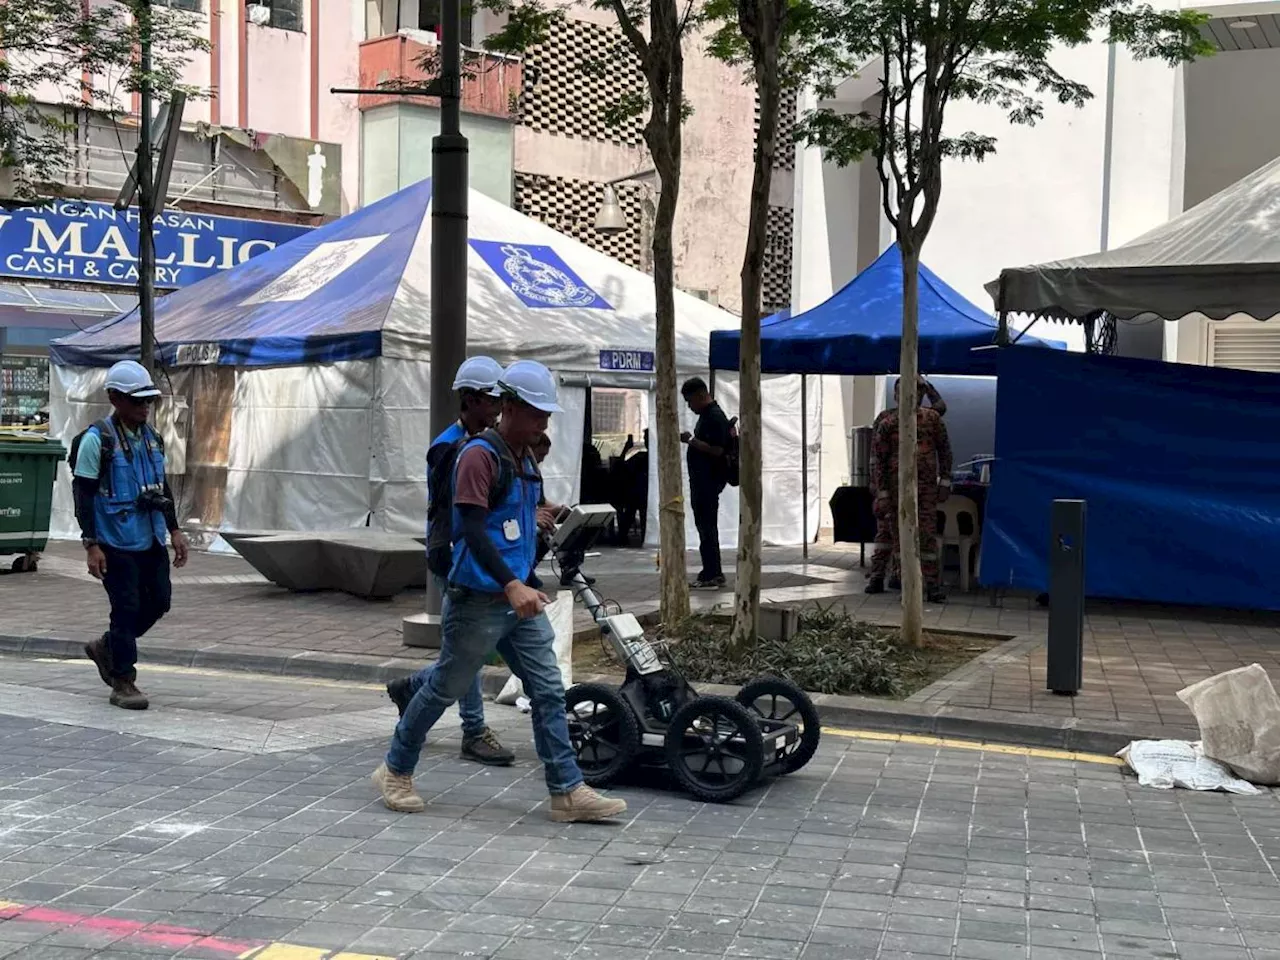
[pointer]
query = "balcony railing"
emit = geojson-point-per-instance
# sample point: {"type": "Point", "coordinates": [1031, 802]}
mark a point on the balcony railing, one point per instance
{"type": "Point", "coordinates": [490, 85]}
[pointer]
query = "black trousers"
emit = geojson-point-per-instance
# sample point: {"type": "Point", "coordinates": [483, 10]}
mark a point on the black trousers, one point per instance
{"type": "Point", "coordinates": [705, 501]}
{"type": "Point", "coordinates": [140, 591]}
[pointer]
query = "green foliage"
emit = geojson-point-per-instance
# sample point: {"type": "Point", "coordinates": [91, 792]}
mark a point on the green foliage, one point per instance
{"type": "Point", "coordinates": [56, 50]}
{"type": "Point", "coordinates": [831, 653]}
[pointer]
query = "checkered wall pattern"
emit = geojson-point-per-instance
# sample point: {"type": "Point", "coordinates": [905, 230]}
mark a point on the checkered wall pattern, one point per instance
{"type": "Point", "coordinates": [564, 95]}
{"type": "Point", "coordinates": [785, 150]}
{"type": "Point", "coordinates": [777, 261]}
{"type": "Point", "coordinates": [570, 207]}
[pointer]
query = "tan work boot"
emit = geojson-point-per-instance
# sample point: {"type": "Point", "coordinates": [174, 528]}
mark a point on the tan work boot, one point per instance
{"type": "Point", "coordinates": [397, 791]}
{"type": "Point", "coordinates": [100, 654]}
{"type": "Point", "coordinates": [584, 805]}
{"type": "Point", "coordinates": [124, 694]}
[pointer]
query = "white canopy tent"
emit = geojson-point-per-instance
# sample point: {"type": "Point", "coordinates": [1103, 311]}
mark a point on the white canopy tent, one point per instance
{"type": "Point", "coordinates": [304, 372]}
{"type": "Point", "coordinates": [1221, 258]}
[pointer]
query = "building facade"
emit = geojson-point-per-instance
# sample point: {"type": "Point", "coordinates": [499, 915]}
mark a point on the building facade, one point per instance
{"type": "Point", "coordinates": [259, 160]}
{"type": "Point", "coordinates": [1152, 142]}
{"type": "Point", "coordinates": [542, 139]}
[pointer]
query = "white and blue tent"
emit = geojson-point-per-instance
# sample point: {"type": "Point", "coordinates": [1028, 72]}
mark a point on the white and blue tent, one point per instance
{"type": "Point", "coordinates": [306, 370]}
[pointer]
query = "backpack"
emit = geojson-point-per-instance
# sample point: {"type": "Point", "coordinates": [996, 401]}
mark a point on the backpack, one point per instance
{"type": "Point", "coordinates": [107, 432]}
{"type": "Point", "coordinates": [440, 509]}
{"type": "Point", "coordinates": [731, 463]}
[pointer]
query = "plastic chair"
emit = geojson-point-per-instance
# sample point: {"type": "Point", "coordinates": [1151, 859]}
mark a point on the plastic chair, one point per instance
{"type": "Point", "coordinates": [958, 525]}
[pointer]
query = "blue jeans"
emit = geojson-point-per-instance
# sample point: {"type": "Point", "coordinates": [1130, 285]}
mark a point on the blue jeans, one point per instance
{"type": "Point", "coordinates": [474, 626]}
{"type": "Point", "coordinates": [471, 703]}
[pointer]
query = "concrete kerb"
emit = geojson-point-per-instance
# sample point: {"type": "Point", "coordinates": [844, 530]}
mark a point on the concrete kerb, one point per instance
{"type": "Point", "coordinates": [856, 713]}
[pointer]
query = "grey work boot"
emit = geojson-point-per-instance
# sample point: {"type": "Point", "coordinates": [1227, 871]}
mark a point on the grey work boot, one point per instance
{"type": "Point", "coordinates": [125, 695]}
{"type": "Point", "coordinates": [100, 654]}
{"type": "Point", "coordinates": [486, 748]}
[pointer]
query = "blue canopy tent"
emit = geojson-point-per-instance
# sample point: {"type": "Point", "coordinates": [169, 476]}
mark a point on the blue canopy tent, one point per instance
{"type": "Point", "coordinates": [859, 331]}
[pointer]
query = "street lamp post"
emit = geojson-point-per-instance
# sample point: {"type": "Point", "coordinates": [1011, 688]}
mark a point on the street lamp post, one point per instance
{"type": "Point", "coordinates": [448, 260]}
{"type": "Point", "coordinates": [611, 218]}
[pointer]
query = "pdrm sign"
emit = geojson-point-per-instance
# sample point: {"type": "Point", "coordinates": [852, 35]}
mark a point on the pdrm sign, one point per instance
{"type": "Point", "coordinates": [81, 241]}
{"type": "Point", "coordinates": [631, 361]}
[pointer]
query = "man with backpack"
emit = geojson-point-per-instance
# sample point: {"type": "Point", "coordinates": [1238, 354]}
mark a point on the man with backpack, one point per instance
{"type": "Point", "coordinates": [126, 509]}
{"type": "Point", "coordinates": [490, 604]}
{"type": "Point", "coordinates": [712, 458]}
{"type": "Point", "coordinates": [476, 385]}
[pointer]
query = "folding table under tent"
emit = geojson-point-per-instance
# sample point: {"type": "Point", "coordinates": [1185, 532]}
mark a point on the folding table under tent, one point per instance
{"type": "Point", "coordinates": [859, 331]}
{"type": "Point", "coordinates": [307, 368]}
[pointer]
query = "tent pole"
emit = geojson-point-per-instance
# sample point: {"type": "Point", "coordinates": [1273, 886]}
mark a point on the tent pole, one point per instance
{"type": "Point", "coordinates": [712, 384]}
{"type": "Point", "coordinates": [804, 461]}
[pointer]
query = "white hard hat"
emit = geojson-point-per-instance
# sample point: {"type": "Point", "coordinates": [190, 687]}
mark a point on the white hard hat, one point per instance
{"type": "Point", "coordinates": [532, 383]}
{"type": "Point", "coordinates": [131, 378]}
{"type": "Point", "coordinates": [479, 373]}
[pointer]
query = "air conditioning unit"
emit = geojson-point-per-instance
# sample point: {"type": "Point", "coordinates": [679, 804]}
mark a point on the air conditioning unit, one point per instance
{"type": "Point", "coordinates": [259, 14]}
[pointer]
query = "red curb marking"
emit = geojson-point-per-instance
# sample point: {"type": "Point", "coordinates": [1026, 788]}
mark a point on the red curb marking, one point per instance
{"type": "Point", "coordinates": [160, 934]}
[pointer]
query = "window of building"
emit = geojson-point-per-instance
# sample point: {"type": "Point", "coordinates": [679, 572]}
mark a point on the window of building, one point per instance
{"type": "Point", "coordinates": [281, 14]}
{"type": "Point", "coordinates": [191, 6]}
{"type": "Point", "coordinates": [429, 18]}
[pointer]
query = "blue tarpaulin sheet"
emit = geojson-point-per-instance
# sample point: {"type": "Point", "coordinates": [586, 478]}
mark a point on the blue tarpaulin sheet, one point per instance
{"type": "Point", "coordinates": [859, 330]}
{"type": "Point", "coordinates": [1178, 464]}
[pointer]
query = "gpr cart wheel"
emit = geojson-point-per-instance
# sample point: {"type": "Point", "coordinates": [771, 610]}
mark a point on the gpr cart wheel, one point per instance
{"type": "Point", "coordinates": [772, 698]}
{"type": "Point", "coordinates": [24, 564]}
{"type": "Point", "coordinates": [603, 730]}
{"type": "Point", "coordinates": [714, 748]}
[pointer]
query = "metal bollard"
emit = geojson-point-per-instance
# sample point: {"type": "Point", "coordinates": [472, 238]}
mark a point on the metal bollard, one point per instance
{"type": "Point", "coordinates": [1065, 657]}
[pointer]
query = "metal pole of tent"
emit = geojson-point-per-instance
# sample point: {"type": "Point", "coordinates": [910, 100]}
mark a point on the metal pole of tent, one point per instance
{"type": "Point", "coordinates": [804, 461]}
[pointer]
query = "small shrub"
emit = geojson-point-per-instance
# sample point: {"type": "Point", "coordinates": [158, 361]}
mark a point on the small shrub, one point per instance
{"type": "Point", "coordinates": [830, 653]}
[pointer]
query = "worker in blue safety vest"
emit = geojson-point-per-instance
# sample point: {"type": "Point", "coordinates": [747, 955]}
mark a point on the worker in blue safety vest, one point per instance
{"type": "Point", "coordinates": [126, 513]}
{"type": "Point", "coordinates": [490, 604]}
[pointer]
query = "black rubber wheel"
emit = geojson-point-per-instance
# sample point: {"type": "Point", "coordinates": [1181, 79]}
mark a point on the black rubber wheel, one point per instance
{"type": "Point", "coordinates": [603, 730]}
{"type": "Point", "coordinates": [714, 748]}
{"type": "Point", "coordinates": [773, 698]}
{"type": "Point", "coordinates": [23, 564]}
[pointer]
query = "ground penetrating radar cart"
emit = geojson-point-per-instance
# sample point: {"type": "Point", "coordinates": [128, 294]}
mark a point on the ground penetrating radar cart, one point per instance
{"type": "Point", "coordinates": [716, 748]}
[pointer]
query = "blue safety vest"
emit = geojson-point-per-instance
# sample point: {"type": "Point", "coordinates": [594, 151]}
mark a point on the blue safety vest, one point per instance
{"type": "Point", "coordinates": [512, 525]}
{"type": "Point", "coordinates": [136, 464]}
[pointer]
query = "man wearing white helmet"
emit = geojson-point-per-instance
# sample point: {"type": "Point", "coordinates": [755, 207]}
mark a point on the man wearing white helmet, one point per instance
{"type": "Point", "coordinates": [126, 509]}
{"type": "Point", "coordinates": [490, 605]}
{"type": "Point", "coordinates": [478, 402]}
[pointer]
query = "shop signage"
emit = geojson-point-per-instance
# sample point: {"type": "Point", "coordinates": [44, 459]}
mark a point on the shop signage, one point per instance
{"type": "Point", "coordinates": [82, 241]}
{"type": "Point", "coordinates": [635, 361]}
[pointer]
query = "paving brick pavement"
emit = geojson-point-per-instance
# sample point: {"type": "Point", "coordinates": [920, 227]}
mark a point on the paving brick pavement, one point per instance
{"type": "Point", "coordinates": [1136, 657]}
{"type": "Point", "coordinates": [112, 844]}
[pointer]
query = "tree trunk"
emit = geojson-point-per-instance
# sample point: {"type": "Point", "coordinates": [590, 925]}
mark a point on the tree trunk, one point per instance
{"type": "Point", "coordinates": [746, 599]}
{"type": "Point", "coordinates": [673, 579]}
{"type": "Point", "coordinates": [664, 137]}
{"type": "Point", "coordinates": [908, 402]}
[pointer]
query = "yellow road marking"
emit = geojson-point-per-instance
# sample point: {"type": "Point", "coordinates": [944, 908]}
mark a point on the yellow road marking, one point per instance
{"type": "Point", "coordinates": [1002, 748]}
{"type": "Point", "coordinates": [289, 951]}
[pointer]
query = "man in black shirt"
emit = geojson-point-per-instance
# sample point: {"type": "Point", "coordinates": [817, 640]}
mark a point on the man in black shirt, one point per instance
{"type": "Point", "coordinates": [708, 475]}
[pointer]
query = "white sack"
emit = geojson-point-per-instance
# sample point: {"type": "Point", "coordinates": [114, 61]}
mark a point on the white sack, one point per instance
{"type": "Point", "coordinates": [560, 613]}
{"type": "Point", "coordinates": [1239, 716]}
{"type": "Point", "coordinates": [1165, 764]}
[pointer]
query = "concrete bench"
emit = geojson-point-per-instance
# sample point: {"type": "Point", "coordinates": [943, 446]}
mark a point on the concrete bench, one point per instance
{"type": "Point", "coordinates": [365, 563]}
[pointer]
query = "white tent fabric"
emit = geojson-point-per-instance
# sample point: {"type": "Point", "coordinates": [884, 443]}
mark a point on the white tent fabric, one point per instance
{"type": "Point", "coordinates": [324, 445]}
{"type": "Point", "coordinates": [1221, 258]}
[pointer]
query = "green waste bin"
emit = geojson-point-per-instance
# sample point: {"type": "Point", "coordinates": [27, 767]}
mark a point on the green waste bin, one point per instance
{"type": "Point", "coordinates": [28, 466]}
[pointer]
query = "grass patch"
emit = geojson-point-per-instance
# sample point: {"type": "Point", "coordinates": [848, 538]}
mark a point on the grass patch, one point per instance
{"type": "Point", "coordinates": [831, 653]}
